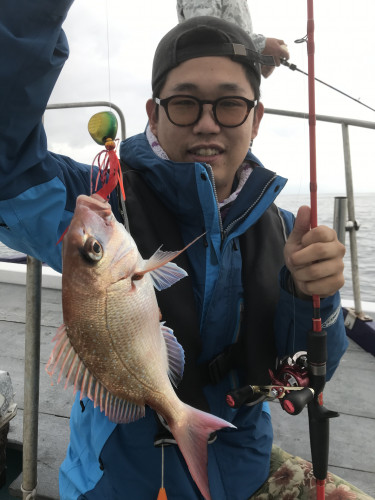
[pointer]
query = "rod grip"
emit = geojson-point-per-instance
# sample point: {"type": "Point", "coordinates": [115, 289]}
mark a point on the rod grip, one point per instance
{"type": "Point", "coordinates": [319, 439]}
{"type": "Point", "coordinates": [239, 397]}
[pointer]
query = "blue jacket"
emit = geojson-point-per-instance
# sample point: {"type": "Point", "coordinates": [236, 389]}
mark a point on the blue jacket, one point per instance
{"type": "Point", "coordinates": [37, 199]}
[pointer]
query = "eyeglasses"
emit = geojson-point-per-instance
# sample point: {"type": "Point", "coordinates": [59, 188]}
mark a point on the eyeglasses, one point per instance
{"type": "Point", "coordinates": [186, 110]}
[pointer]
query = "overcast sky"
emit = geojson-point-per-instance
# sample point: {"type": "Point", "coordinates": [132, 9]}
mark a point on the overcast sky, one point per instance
{"type": "Point", "coordinates": [344, 58]}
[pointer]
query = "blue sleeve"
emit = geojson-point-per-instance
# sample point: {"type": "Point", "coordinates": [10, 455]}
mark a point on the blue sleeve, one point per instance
{"type": "Point", "coordinates": [38, 189]}
{"type": "Point", "coordinates": [294, 320]}
{"type": "Point", "coordinates": [34, 50]}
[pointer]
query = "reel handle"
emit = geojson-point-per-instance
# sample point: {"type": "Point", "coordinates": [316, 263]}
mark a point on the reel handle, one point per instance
{"type": "Point", "coordinates": [294, 402]}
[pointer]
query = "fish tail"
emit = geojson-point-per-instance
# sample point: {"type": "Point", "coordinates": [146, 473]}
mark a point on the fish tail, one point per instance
{"type": "Point", "coordinates": [192, 440]}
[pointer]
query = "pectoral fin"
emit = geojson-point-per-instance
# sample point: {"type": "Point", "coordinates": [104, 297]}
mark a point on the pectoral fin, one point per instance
{"type": "Point", "coordinates": [163, 272]}
{"type": "Point", "coordinates": [169, 274]}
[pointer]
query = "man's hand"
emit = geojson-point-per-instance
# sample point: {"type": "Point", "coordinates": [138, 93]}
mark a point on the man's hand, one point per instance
{"type": "Point", "coordinates": [314, 258]}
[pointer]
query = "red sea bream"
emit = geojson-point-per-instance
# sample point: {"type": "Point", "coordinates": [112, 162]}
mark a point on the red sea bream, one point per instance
{"type": "Point", "coordinates": [112, 346]}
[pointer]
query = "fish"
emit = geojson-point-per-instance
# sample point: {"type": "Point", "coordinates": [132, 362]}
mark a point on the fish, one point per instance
{"type": "Point", "coordinates": [112, 346]}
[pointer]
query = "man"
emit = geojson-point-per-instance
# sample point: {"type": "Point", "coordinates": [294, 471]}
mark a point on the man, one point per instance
{"type": "Point", "coordinates": [235, 11]}
{"type": "Point", "coordinates": [189, 173]}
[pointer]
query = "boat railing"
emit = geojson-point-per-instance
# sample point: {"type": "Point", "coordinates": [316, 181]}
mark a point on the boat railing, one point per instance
{"type": "Point", "coordinates": [92, 104]}
{"type": "Point", "coordinates": [343, 223]}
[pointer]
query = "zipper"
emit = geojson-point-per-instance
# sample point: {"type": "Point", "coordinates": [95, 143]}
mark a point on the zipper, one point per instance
{"type": "Point", "coordinates": [211, 174]}
{"type": "Point", "coordinates": [285, 233]}
{"type": "Point", "coordinates": [224, 233]}
{"type": "Point", "coordinates": [246, 213]}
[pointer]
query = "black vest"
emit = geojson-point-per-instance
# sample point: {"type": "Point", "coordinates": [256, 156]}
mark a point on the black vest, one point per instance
{"type": "Point", "coordinates": [151, 225]}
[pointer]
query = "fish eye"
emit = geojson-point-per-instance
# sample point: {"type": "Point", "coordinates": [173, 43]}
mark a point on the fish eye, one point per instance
{"type": "Point", "coordinates": [92, 249]}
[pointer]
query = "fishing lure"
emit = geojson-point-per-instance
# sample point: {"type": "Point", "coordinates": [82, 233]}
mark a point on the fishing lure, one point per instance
{"type": "Point", "coordinates": [103, 129]}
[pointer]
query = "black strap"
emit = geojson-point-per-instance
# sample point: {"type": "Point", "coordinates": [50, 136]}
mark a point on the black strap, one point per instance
{"type": "Point", "coordinates": [216, 369]}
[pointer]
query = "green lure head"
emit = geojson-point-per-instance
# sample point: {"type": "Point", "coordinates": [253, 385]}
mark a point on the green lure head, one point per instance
{"type": "Point", "coordinates": [103, 126]}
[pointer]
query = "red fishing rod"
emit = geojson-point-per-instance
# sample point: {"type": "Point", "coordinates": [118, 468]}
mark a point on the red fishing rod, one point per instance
{"type": "Point", "coordinates": [317, 338]}
{"type": "Point", "coordinates": [306, 370]}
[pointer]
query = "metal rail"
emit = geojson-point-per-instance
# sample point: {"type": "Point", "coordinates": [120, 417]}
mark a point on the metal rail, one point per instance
{"type": "Point", "coordinates": [31, 378]}
{"type": "Point", "coordinates": [323, 118]}
{"type": "Point", "coordinates": [351, 225]}
{"type": "Point", "coordinates": [93, 104]}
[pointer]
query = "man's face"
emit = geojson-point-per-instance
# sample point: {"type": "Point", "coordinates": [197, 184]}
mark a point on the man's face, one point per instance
{"type": "Point", "coordinates": [207, 141]}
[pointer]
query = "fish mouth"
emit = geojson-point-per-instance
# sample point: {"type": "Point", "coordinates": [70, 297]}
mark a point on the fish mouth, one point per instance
{"type": "Point", "coordinates": [96, 204]}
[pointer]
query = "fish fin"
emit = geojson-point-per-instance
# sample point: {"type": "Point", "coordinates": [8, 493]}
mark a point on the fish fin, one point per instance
{"type": "Point", "coordinates": [176, 355]}
{"type": "Point", "coordinates": [166, 276]}
{"type": "Point", "coordinates": [163, 272]}
{"type": "Point", "coordinates": [192, 440]}
{"type": "Point", "coordinates": [65, 360]}
{"type": "Point", "coordinates": [121, 411]}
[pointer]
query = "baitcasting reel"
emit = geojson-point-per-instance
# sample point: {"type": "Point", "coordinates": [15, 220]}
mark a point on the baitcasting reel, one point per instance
{"type": "Point", "coordinates": [290, 387]}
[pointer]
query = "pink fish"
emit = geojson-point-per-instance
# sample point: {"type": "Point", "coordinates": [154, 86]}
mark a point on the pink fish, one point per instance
{"type": "Point", "coordinates": [112, 346]}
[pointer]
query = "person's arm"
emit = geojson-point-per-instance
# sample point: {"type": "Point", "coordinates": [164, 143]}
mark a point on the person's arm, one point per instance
{"type": "Point", "coordinates": [193, 8]}
{"type": "Point", "coordinates": [37, 188]}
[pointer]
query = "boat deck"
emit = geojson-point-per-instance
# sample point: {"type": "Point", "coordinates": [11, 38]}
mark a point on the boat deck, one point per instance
{"type": "Point", "coordinates": [351, 392]}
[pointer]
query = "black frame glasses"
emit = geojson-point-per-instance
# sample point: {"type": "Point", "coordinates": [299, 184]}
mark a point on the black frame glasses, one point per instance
{"type": "Point", "coordinates": [218, 104]}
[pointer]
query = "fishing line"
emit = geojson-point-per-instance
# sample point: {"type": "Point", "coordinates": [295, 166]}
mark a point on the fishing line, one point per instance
{"type": "Point", "coordinates": [293, 67]}
{"type": "Point", "coordinates": [162, 466]}
{"type": "Point", "coordinates": [108, 52]}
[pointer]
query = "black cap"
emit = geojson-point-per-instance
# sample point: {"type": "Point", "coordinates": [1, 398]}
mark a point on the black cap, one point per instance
{"type": "Point", "coordinates": [201, 37]}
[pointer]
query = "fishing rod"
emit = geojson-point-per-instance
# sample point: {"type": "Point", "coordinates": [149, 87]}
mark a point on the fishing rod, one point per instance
{"type": "Point", "coordinates": [317, 338]}
{"type": "Point", "coordinates": [293, 67]}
